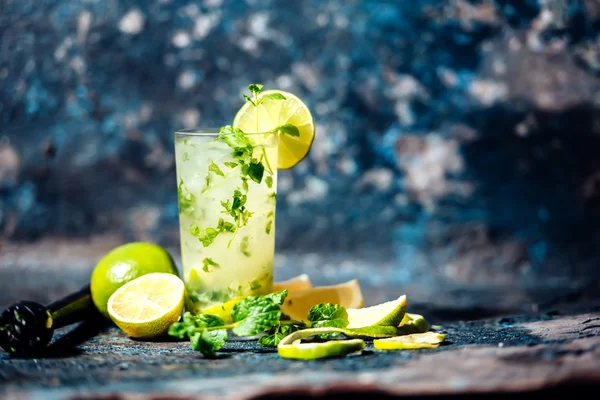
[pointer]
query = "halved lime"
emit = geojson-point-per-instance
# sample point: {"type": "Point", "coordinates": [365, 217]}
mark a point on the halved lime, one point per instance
{"type": "Point", "coordinates": [146, 306]}
{"type": "Point", "coordinates": [291, 347]}
{"type": "Point", "coordinates": [426, 340]}
{"type": "Point", "coordinates": [389, 313]}
{"type": "Point", "coordinates": [125, 263]}
{"type": "Point", "coordinates": [270, 115]}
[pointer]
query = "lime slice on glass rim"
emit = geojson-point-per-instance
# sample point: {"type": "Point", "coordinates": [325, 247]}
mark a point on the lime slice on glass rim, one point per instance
{"type": "Point", "coordinates": [270, 115]}
{"type": "Point", "coordinates": [291, 347]}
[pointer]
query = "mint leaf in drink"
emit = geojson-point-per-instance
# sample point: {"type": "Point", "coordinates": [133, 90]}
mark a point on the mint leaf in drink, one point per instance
{"type": "Point", "coordinates": [238, 202]}
{"type": "Point", "coordinates": [230, 164]}
{"type": "Point", "coordinates": [214, 168]}
{"type": "Point", "coordinates": [268, 227]}
{"type": "Point", "coordinates": [288, 129]}
{"type": "Point", "coordinates": [225, 226]}
{"type": "Point", "coordinates": [234, 138]}
{"type": "Point", "coordinates": [186, 199]}
{"type": "Point", "coordinates": [256, 171]}
{"type": "Point", "coordinates": [207, 263]}
{"type": "Point", "coordinates": [244, 246]}
{"type": "Point", "coordinates": [205, 236]}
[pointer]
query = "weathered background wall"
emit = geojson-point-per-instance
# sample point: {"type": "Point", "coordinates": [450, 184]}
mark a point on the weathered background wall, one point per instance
{"type": "Point", "coordinates": [457, 140]}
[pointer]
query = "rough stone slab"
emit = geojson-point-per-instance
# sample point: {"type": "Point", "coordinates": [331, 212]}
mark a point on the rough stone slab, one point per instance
{"type": "Point", "coordinates": [510, 354]}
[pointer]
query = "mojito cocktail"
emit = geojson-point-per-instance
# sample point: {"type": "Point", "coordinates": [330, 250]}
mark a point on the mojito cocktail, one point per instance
{"type": "Point", "coordinates": [227, 185]}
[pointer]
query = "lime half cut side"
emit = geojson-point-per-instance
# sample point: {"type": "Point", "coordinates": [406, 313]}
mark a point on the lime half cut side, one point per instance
{"type": "Point", "coordinates": [146, 306]}
{"type": "Point", "coordinates": [270, 115]}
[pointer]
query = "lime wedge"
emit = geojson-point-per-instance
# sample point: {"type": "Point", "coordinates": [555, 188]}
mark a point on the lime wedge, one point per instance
{"type": "Point", "coordinates": [413, 323]}
{"type": "Point", "coordinates": [347, 294]}
{"type": "Point", "coordinates": [270, 115]}
{"type": "Point", "coordinates": [146, 306]}
{"type": "Point", "coordinates": [371, 332]}
{"type": "Point", "coordinates": [426, 340]}
{"type": "Point", "coordinates": [293, 285]}
{"type": "Point", "coordinates": [291, 347]}
{"type": "Point", "coordinates": [389, 313]}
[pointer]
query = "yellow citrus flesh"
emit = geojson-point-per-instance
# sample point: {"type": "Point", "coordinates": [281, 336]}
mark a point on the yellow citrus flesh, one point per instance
{"type": "Point", "coordinates": [271, 114]}
{"type": "Point", "coordinates": [222, 310]}
{"type": "Point", "coordinates": [146, 306]}
{"type": "Point", "coordinates": [389, 313]}
{"type": "Point", "coordinates": [347, 294]}
{"type": "Point", "coordinates": [426, 340]}
{"type": "Point", "coordinates": [293, 285]}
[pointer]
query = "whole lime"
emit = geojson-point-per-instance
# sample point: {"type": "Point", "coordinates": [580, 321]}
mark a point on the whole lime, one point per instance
{"type": "Point", "coordinates": [125, 263]}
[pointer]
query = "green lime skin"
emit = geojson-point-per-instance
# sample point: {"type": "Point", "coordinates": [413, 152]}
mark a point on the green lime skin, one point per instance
{"type": "Point", "coordinates": [125, 263]}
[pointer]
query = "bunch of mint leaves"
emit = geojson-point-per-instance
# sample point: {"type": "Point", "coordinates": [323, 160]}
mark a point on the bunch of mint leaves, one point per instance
{"type": "Point", "coordinates": [252, 316]}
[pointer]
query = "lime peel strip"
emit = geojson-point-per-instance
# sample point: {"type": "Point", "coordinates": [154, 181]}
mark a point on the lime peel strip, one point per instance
{"type": "Point", "coordinates": [290, 346]}
{"type": "Point", "coordinates": [426, 340]}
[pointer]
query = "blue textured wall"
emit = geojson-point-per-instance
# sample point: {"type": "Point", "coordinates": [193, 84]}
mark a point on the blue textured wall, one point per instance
{"type": "Point", "coordinates": [456, 138]}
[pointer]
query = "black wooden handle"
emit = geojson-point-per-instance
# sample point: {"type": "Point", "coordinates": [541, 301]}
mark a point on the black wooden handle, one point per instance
{"type": "Point", "coordinates": [73, 308]}
{"type": "Point", "coordinates": [27, 327]}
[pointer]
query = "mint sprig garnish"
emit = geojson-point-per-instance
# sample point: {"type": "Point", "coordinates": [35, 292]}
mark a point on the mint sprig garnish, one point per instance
{"type": "Point", "coordinates": [288, 129]}
{"type": "Point", "coordinates": [255, 89]}
{"type": "Point", "coordinates": [251, 316]}
{"type": "Point", "coordinates": [255, 315]}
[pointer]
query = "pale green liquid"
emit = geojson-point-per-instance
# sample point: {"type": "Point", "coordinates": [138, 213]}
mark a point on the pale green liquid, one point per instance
{"type": "Point", "coordinates": [244, 258]}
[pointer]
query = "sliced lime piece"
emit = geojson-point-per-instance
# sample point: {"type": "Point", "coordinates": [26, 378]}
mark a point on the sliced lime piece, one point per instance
{"type": "Point", "coordinates": [426, 340]}
{"type": "Point", "coordinates": [413, 323]}
{"type": "Point", "coordinates": [270, 115]}
{"type": "Point", "coordinates": [291, 347]}
{"type": "Point", "coordinates": [389, 313]}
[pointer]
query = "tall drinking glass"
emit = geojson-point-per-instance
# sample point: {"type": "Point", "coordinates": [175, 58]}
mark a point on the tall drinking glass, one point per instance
{"type": "Point", "coordinates": [226, 187]}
